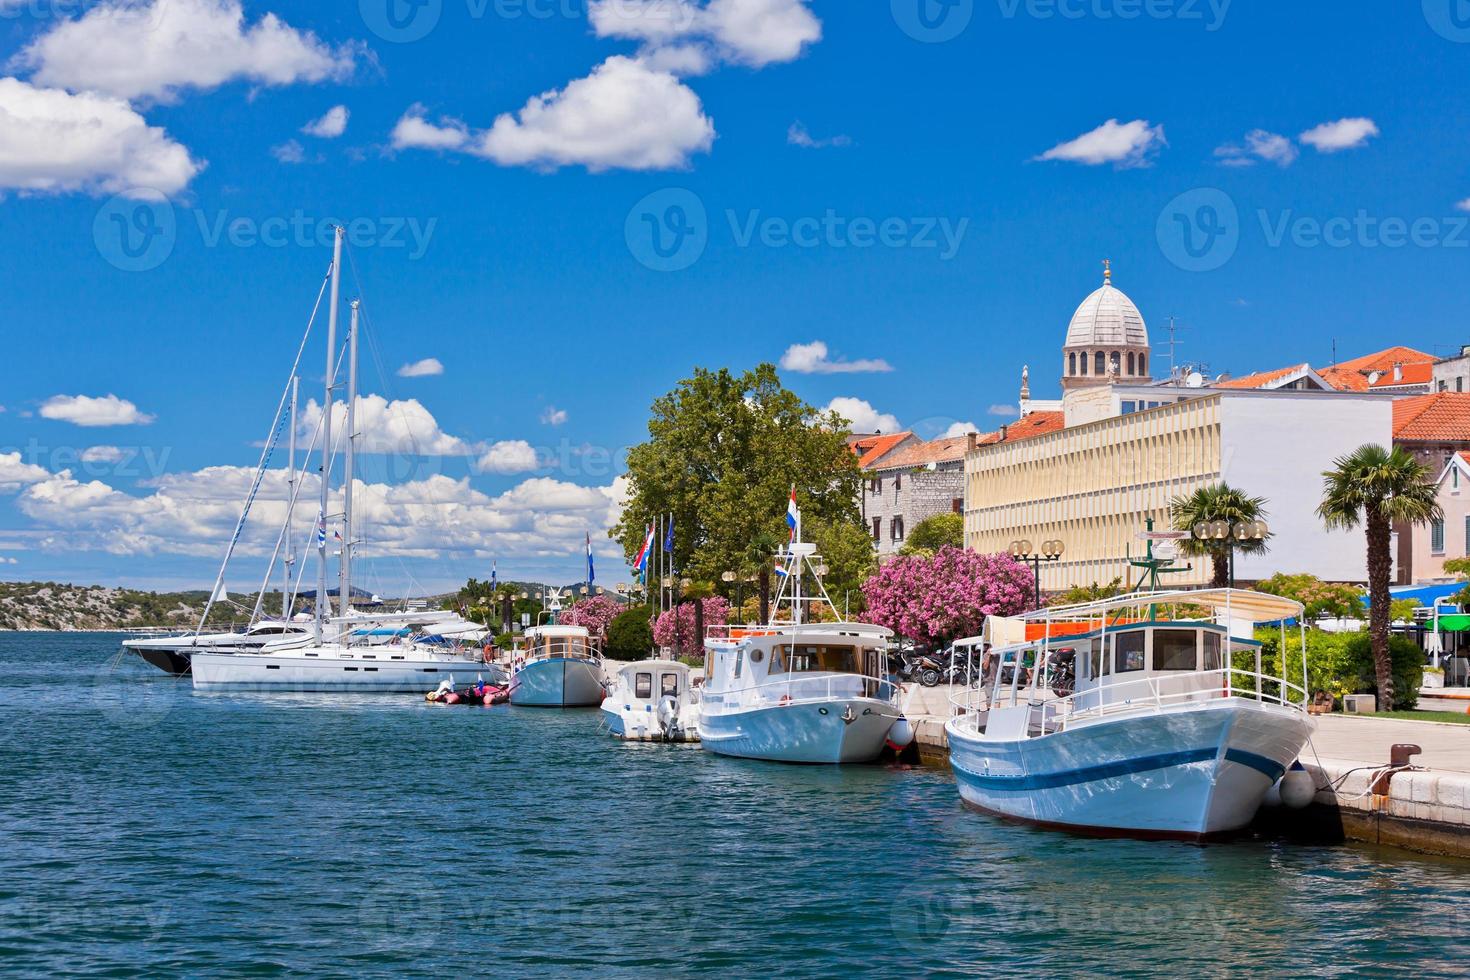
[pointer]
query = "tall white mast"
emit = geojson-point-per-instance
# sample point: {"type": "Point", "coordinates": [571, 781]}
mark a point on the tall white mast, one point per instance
{"type": "Point", "coordinates": [290, 563]}
{"type": "Point", "coordinates": [326, 471]}
{"type": "Point", "coordinates": [344, 582]}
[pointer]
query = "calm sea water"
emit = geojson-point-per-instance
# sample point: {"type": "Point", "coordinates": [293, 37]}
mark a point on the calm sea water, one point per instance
{"type": "Point", "coordinates": [144, 827]}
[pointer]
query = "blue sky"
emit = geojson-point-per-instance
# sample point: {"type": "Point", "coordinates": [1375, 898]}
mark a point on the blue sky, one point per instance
{"type": "Point", "coordinates": [953, 182]}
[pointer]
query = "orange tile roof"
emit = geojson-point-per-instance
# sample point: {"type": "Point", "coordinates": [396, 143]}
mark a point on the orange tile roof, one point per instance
{"type": "Point", "coordinates": [1035, 424]}
{"type": "Point", "coordinates": [923, 453]}
{"type": "Point", "coordinates": [1352, 375]}
{"type": "Point", "coordinates": [1262, 378]}
{"type": "Point", "coordinates": [1439, 417]}
{"type": "Point", "coordinates": [870, 449]}
{"type": "Point", "coordinates": [1412, 374]}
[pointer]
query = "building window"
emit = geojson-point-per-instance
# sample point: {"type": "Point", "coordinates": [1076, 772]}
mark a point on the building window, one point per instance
{"type": "Point", "coordinates": [1436, 537]}
{"type": "Point", "coordinates": [897, 526]}
{"type": "Point", "coordinates": [1443, 385]}
{"type": "Point", "coordinates": [1459, 384]}
{"type": "Point", "coordinates": [957, 505]}
{"type": "Point", "coordinates": [1454, 478]}
{"type": "Point", "coordinates": [1129, 407]}
{"type": "Point", "coordinates": [1117, 363]}
{"type": "Point", "coordinates": [877, 529]}
{"type": "Point", "coordinates": [1143, 364]}
{"type": "Point", "coordinates": [1467, 536]}
{"type": "Point", "coordinates": [1099, 364]}
{"type": "Point", "coordinates": [1072, 363]}
{"type": "Point", "coordinates": [1130, 363]}
{"type": "Point", "coordinates": [897, 482]}
{"type": "Point", "coordinates": [1083, 362]}
{"type": "Point", "coordinates": [876, 485]}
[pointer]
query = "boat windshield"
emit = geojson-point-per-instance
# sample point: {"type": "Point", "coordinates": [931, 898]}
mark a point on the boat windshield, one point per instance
{"type": "Point", "coordinates": [810, 658]}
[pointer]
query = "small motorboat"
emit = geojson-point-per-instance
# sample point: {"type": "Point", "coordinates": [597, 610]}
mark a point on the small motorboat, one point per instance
{"type": "Point", "coordinates": [478, 693]}
{"type": "Point", "coordinates": [653, 701]}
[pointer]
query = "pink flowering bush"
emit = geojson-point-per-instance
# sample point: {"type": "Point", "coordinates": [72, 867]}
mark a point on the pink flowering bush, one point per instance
{"type": "Point", "coordinates": [946, 596]}
{"type": "Point", "coordinates": [595, 614]}
{"type": "Point", "coordinates": [675, 628]}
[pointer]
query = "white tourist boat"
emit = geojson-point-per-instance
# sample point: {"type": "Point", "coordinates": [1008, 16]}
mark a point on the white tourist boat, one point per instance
{"type": "Point", "coordinates": [653, 701]}
{"type": "Point", "coordinates": [800, 691]}
{"type": "Point", "coordinates": [1124, 716]}
{"type": "Point", "coordinates": [559, 667]}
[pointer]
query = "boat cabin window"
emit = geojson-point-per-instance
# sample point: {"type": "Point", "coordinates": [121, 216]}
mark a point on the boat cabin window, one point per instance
{"type": "Point", "coordinates": [668, 685]}
{"type": "Point", "coordinates": [1212, 651]}
{"type": "Point", "coordinates": [642, 685]}
{"type": "Point", "coordinates": [807, 658]}
{"type": "Point", "coordinates": [1128, 651]}
{"type": "Point", "coordinates": [1095, 658]}
{"type": "Point", "coordinates": [778, 663]}
{"type": "Point", "coordinates": [1174, 649]}
{"type": "Point", "coordinates": [739, 663]}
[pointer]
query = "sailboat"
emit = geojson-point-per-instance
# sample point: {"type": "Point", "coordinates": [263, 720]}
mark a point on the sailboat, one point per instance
{"type": "Point", "coordinates": [346, 651]}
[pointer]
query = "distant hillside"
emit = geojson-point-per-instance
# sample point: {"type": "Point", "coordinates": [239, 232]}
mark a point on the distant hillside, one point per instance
{"type": "Point", "coordinates": [55, 606]}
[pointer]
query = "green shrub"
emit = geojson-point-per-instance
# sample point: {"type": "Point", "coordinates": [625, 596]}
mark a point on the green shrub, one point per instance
{"type": "Point", "coordinates": [1340, 663]}
{"type": "Point", "coordinates": [630, 637]}
{"type": "Point", "coordinates": [504, 641]}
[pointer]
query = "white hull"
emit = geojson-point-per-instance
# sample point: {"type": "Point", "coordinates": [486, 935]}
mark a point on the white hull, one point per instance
{"type": "Point", "coordinates": [1188, 772]}
{"type": "Point", "coordinates": [407, 672]}
{"type": "Point", "coordinates": [636, 725]}
{"type": "Point", "coordinates": [805, 731]}
{"type": "Point", "coordinates": [558, 682]}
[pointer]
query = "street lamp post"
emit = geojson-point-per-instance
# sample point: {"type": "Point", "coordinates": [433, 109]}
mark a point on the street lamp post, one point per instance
{"type": "Point", "coordinates": [1230, 533]}
{"type": "Point", "coordinates": [1050, 551]}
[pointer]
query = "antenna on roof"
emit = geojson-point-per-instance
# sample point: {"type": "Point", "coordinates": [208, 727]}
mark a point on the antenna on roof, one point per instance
{"type": "Point", "coordinates": [1173, 342]}
{"type": "Point", "coordinates": [1334, 350]}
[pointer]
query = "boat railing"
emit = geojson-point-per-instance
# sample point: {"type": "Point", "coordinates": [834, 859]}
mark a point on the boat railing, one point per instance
{"type": "Point", "coordinates": [1134, 695]}
{"type": "Point", "coordinates": [796, 688]}
{"type": "Point", "coordinates": [577, 649]}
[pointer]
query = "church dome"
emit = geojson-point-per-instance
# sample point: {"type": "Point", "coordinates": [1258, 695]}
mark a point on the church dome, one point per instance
{"type": "Point", "coordinates": [1107, 318]}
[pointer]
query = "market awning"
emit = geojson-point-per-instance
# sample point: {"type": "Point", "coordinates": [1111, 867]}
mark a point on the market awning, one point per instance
{"type": "Point", "coordinates": [1426, 594]}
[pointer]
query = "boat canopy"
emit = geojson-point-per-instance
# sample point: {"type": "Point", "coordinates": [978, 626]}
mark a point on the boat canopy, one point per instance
{"type": "Point", "coordinates": [1261, 607]}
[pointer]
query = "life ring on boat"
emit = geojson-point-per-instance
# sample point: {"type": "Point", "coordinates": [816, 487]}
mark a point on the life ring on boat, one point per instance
{"type": "Point", "coordinates": [785, 699]}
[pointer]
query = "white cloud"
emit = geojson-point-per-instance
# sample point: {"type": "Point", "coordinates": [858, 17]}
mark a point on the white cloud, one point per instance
{"type": "Point", "coordinates": [88, 411]}
{"type": "Point", "coordinates": [623, 115]}
{"type": "Point", "coordinates": [433, 518]}
{"type": "Point", "coordinates": [511, 456]}
{"type": "Point", "coordinates": [1125, 145]}
{"type": "Point", "coordinates": [1463, 205]}
{"type": "Point", "coordinates": [53, 142]}
{"type": "Point", "coordinates": [812, 358]}
{"type": "Point", "coordinates": [398, 427]}
{"type": "Point", "coordinates": [1344, 134]}
{"type": "Point", "coordinates": [8, 561]}
{"type": "Point", "coordinates": [1259, 145]}
{"type": "Point", "coordinates": [153, 50]}
{"type": "Point", "coordinates": [959, 429]}
{"type": "Point", "coordinates": [101, 454]}
{"type": "Point", "coordinates": [329, 126]}
{"type": "Point", "coordinates": [290, 151]}
{"type": "Point", "coordinates": [750, 32]}
{"type": "Point", "coordinates": [862, 416]}
{"type": "Point", "coordinates": [429, 367]}
{"type": "Point", "coordinates": [14, 473]}
{"type": "Point", "coordinates": [414, 131]}
{"type": "Point", "coordinates": [553, 416]}
{"type": "Point", "coordinates": [797, 135]}
{"type": "Point", "coordinates": [1003, 411]}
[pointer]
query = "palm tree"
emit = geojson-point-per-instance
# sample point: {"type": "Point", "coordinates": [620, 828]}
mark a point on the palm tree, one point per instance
{"type": "Point", "coordinates": [1217, 502]}
{"type": "Point", "coordinates": [1378, 487]}
{"type": "Point", "coordinates": [761, 555]}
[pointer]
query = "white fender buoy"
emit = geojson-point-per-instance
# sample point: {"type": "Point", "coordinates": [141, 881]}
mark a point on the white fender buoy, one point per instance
{"type": "Point", "coordinates": [900, 734]}
{"type": "Point", "coordinates": [1297, 787]}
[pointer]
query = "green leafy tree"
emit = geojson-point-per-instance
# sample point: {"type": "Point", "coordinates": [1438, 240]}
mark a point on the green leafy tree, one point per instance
{"type": "Point", "coordinates": [1338, 663]}
{"type": "Point", "coordinates": [1376, 488]}
{"type": "Point", "coordinates": [933, 533]}
{"type": "Point", "coordinates": [1460, 567]}
{"type": "Point", "coordinates": [1318, 597]}
{"type": "Point", "coordinates": [1079, 594]}
{"type": "Point", "coordinates": [1217, 502]}
{"type": "Point", "coordinates": [630, 637]}
{"type": "Point", "coordinates": [847, 551]}
{"type": "Point", "coordinates": [723, 453]}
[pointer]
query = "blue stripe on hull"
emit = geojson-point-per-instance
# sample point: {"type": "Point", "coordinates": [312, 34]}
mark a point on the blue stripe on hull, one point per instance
{"type": "Point", "coordinates": [1069, 777]}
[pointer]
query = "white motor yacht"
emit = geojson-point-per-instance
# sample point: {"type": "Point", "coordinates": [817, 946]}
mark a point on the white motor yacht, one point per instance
{"type": "Point", "coordinates": [559, 667]}
{"type": "Point", "coordinates": [172, 653]}
{"type": "Point", "coordinates": [1125, 716]}
{"type": "Point", "coordinates": [653, 701]}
